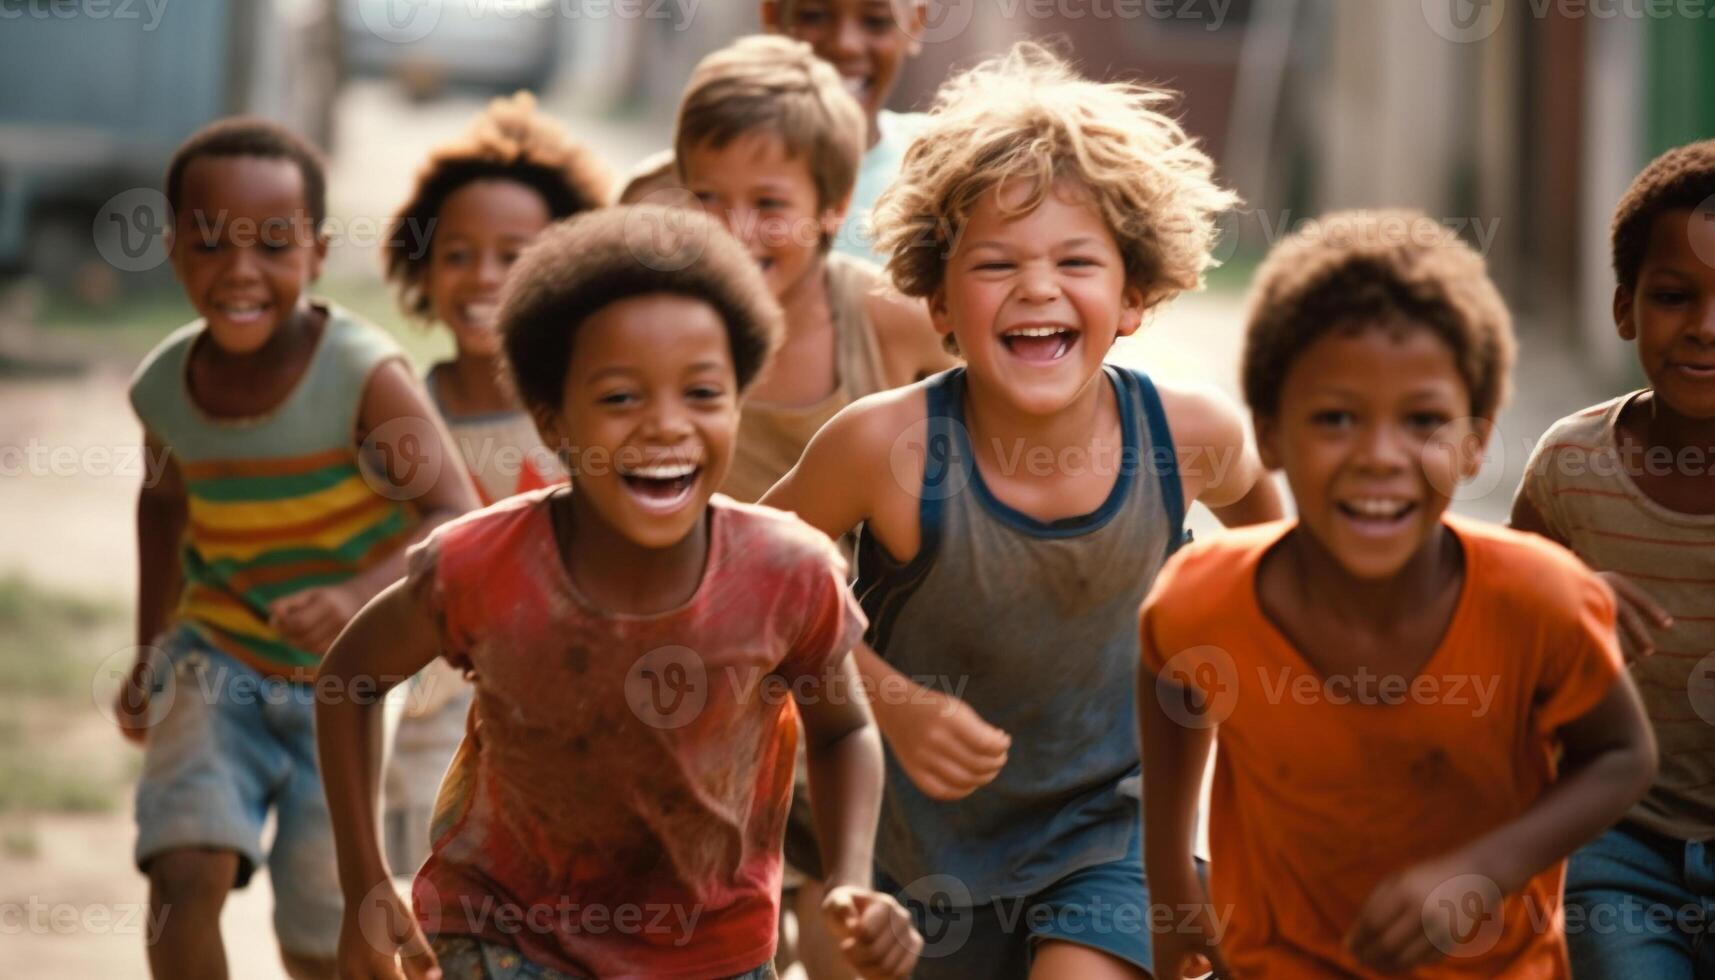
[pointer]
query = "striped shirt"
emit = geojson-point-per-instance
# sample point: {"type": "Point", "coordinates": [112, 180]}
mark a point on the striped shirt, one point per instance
{"type": "Point", "coordinates": [277, 503]}
{"type": "Point", "coordinates": [1579, 481]}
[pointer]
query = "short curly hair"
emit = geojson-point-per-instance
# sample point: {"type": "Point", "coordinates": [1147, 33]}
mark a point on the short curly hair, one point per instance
{"type": "Point", "coordinates": [1356, 269]}
{"type": "Point", "coordinates": [592, 260]}
{"type": "Point", "coordinates": [249, 136]}
{"type": "Point", "coordinates": [1683, 178]}
{"type": "Point", "coordinates": [1027, 115]}
{"type": "Point", "coordinates": [512, 141]}
{"type": "Point", "coordinates": [771, 84]}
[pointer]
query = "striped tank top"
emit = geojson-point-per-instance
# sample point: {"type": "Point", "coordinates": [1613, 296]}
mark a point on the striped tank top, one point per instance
{"type": "Point", "coordinates": [277, 503]}
{"type": "Point", "coordinates": [1578, 481]}
{"type": "Point", "coordinates": [1034, 625]}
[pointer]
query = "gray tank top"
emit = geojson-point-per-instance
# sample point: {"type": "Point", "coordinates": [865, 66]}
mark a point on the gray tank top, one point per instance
{"type": "Point", "coordinates": [1038, 622]}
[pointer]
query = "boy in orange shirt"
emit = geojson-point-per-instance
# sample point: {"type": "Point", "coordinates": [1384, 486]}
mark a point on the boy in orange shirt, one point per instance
{"type": "Point", "coordinates": [1420, 716]}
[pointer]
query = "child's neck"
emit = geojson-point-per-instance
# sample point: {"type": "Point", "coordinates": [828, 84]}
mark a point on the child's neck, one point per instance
{"type": "Point", "coordinates": [475, 383]}
{"type": "Point", "coordinates": [1659, 425]}
{"type": "Point", "coordinates": [805, 303]}
{"type": "Point", "coordinates": [618, 575]}
{"type": "Point", "coordinates": [1376, 606]}
{"type": "Point", "coordinates": [998, 428]}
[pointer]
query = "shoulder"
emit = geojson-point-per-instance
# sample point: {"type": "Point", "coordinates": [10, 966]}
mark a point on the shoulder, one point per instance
{"type": "Point", "coordinates": [474, 539]}
{"type": "Point", "coordinates": [1200, 416]}
{"type": "Point", "coordinates": [1524, 572]}
{"type": "Point", "coordinates": [356, 344]}
{"type": "Point", "coordinates": [775, 536]}
{"type": "Point", "coordinates": [1204, 583]}
{"type": "Point", "coordinates": [869, 428]}
{"type": "Point", "coordinates": [160, 374]}
{"type": "Point", "coordinates": [1583, 432]}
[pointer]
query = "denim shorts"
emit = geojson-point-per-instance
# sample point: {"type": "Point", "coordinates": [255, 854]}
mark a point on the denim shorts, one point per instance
{"type": "Point", "coordinates": [470, 958]}
{"type": "Point", "coordinates": [228, 747]}
{"type": "Point", "coordinates": [1105, 907]}
{"type": "Point", "coordinates": [1639, 906]}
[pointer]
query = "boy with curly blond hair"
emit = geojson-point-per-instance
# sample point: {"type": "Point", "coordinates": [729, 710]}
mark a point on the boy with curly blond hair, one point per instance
{"type": "Point", "coordinates": [1013, 512]}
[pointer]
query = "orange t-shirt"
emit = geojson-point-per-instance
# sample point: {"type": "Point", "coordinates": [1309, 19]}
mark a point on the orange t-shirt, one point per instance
{"type": "Point", "coordinates": [1325, 787]}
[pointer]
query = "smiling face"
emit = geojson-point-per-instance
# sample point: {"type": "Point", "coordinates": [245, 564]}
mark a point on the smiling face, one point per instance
{"type": "Point", "coordinates": [1671, 312]}
{"type": "Point", "coordinates": [1036, 300]}
{"type": "Point", "coordinates": [767, 199]}
{"type": "Point", "coordinates": [244, 246]}
{"type": "Point", "coordinates": [649, 415]}
{"type": "Point", "coordinates": [862, 39]}
{"type": "Point", "coordinates": [478, 234]}
{"type": "Point", "coordinates": [1373, 433]}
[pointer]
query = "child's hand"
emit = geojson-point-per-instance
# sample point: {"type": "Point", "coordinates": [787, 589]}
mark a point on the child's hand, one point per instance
{"type": "Point", "coordinates": [311, 619]}
{"type": "Point", "coordinates": [874, 932]}
{"type": "Point", "coordinates": [941, 742]}
{"type": "Point", "coordinates": [1637, 613]}
{"type": "Point", "coordinates": [379, 939]}
{"type": "Point", "coordinates": [1188, 946]}
{"type": "Point", "coordinates": [131, 701]}
{"type": "Point", "coordinates": [1420, 915]}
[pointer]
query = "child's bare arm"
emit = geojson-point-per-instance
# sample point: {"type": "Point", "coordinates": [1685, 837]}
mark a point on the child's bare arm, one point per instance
{"type": "Point", "coordinates": [853, 471]}
{"type": "Point", "coordinates": [417, 457]}
{"type": "Point", "coordinates": [1608, 763]}
{"type": "Point", "coordinates": [844, 754]}
{"type": "Point", "coordinates": [1175, 755]}
{"type": "Point", "coordinates": [1217, 461]}
{"type": "Point", "coordinates": [161, 518]}
{"type": "Point", "coordinates": [910, 347]}
{"type": "Point", "coordinates": [388, 640]}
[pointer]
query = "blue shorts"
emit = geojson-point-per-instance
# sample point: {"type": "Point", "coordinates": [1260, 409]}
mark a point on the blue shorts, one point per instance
{"type": "Point", "coordinates": [470, 958]}
{"type": "Point", "coordinates": [229, 747]}
{"type": "Point", "coordinates": [1639, 906]}
{"type": "Point", "coordinates": [1105, 907]}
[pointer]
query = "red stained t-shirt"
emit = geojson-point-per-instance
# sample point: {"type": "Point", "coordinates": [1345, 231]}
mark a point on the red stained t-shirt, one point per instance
{"type": "Point", "coordinates": [617, 806]}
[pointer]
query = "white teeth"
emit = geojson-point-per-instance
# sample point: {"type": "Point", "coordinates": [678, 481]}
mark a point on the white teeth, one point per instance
{"type": "Point", "coordinates": [248, 309]}
{"type": "Point", "coordinates": [481, 314]}
{"type": "Point", "coordinates": [1378, 506]}
{"type": "Point", "coordinates": [1035, 332]}
{"type": "Point", "coordinates": [663, 471]}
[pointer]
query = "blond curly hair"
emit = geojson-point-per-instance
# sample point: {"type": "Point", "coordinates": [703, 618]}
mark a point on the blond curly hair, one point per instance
{"type": "Point", "coordinates": [510, 140]}
{"type": "Point", "coordinates": [1027, 115]}
{"type": "Point", "coordinates": [1356, 269]}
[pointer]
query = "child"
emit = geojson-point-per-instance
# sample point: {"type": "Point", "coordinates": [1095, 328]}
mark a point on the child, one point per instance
{"type": "Point", "coordinates": [654, 180]}
{"type": "Point", "coordinates": [1629, 486]}
{"type": "Point", "coordinates": [768, 141]}
{"type": "Point", "coordinates": [258, 538]}
{"type": "Point", "coordinates": [1014, 512]}
{"type": "Point", "coordinates": [475, 205]}
{"type": "Point", "coordinates": [591, 825]}
{"type": "Point", "coordinates": [1419, 716]}
{"type": "Point", "coordinates": [868, 43]}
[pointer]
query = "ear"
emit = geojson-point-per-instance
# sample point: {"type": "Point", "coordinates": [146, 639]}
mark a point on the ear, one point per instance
{"type": "Point", "coordinates": [834, 215]}
{"type": "Point", "coordinates": [1267, 429]}
{"type": "Point", "coordinates": [917, 19]}
{"type": "Point", "coordinates": [1471, 448]}
{"type": "Point", "coordinates": [770, 15]}
{"type": "Point", "coordinates": [548, 427]}
{"type": "Point", "coordinates": [1624, 299]}
{"type": "Point", "coordinates": [1133, 303]}
{"type": "Point", "coordinates": [939, 317]}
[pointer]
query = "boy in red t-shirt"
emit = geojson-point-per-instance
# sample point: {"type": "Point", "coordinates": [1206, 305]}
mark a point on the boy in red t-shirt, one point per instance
{"type": "Point", "coordinates": [636, 643]}
{"type": "Point", "coordinates": [1419, 716]}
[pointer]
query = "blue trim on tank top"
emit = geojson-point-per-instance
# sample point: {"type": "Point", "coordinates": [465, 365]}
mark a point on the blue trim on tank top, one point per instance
{"type": "Point", "coordinates": [1065, 527]}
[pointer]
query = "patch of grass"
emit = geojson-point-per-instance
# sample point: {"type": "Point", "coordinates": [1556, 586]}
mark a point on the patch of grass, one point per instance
{"type": "Point", "coordinates": [31, 782]}
{"type": "Point", "coordinates": [19, 841]}
{"type": "Point", "coordinates": [49, 640]}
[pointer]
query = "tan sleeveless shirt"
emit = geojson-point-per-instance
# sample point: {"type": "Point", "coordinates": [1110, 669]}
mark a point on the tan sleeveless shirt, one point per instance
{"type": "Point", "coordinates": [772, 437]}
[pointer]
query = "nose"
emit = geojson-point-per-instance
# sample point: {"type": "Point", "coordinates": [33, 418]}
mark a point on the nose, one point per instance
{"type": "Point", "coordinates": [667, 420]}
{"type": "Point", "coordinates": [1383, 448]}
{"type": "Point", "coordinates": [1037, 283]}
{"type": "Point", "coordinates": [244, 266]}
{"type": "Point", "coordinates": [846, 40]}
{"type": "Point", "coordinates": [490, 269]}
